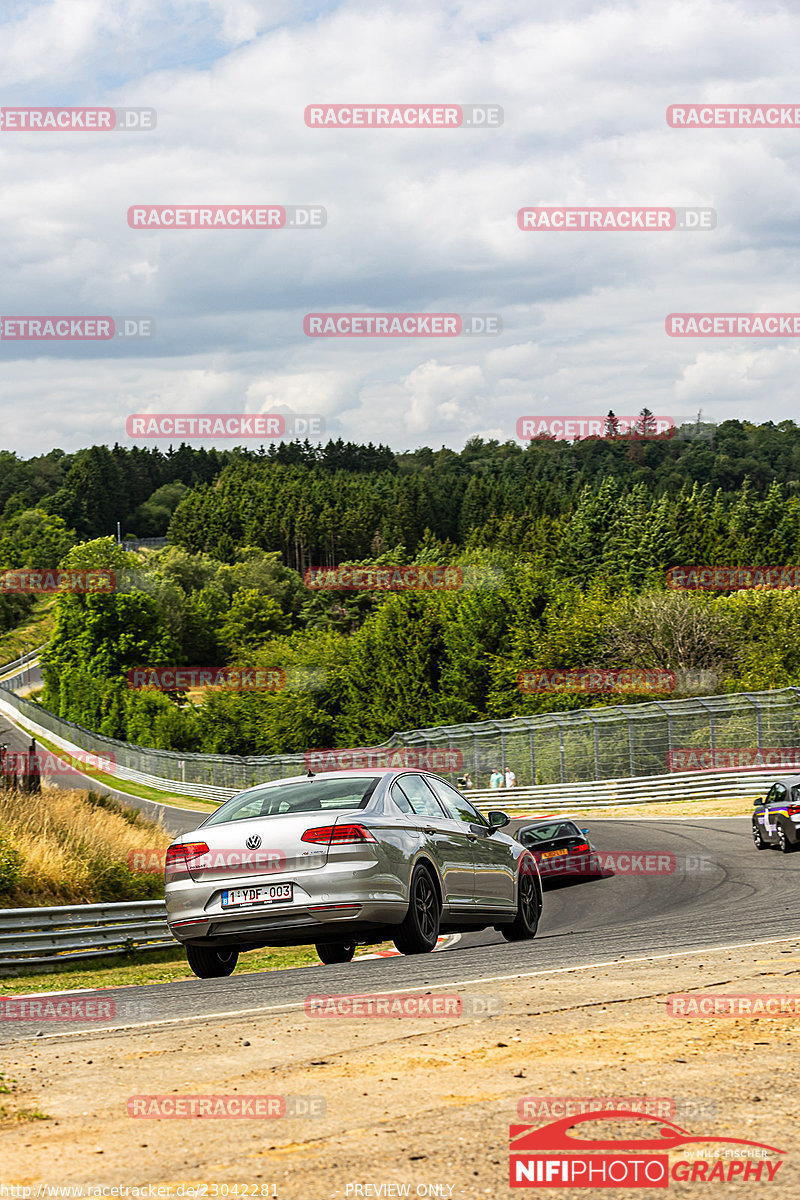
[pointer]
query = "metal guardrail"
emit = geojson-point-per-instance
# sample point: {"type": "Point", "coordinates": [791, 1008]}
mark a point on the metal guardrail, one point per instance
{"type": "Point", "coordinates": [51, 936]}
{"type": "Point", "coordinates": [567, 753]}
{"type": "Point", "coordinates": [747, 783]}
{"type": "Point", "coordinates": [11, 668]}
{"type": "Point", "coordinates": [601, 744]}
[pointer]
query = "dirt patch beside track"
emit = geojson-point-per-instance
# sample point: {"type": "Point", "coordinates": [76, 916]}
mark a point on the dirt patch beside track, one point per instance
{"type": "Point", "coordinates": [417, 1102]}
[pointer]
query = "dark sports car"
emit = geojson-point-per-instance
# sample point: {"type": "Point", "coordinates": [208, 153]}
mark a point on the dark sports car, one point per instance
{"type": "Point", "coordinates": [776, 816]}
{"type": "Point", "coordinates": [560, 847]}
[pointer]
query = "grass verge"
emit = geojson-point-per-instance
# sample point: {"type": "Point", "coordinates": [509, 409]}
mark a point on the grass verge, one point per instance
{"type": "Point", "coordinates": [162, 966]}
{"type": "Point", "coordinates": [60, 846]}
{"type": "Point", "coordinates": [122, 785]}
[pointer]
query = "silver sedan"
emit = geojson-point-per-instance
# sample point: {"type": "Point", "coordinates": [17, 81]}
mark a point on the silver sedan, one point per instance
{"type": "Point", "coordinates": [340, 858]}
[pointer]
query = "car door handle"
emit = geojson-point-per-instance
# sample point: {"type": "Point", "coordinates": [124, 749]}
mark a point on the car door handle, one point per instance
{"type": "Point", "coordinates": [472, 837]}
{"type": "Point", "coordinates": [430, 829]}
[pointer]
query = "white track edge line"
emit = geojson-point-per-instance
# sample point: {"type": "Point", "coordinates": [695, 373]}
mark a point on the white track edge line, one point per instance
{"type": "Point", "coordinates": [246, 1012]}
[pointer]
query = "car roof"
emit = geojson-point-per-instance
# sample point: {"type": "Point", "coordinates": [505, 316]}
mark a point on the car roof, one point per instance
{"type": "Point", "coordinates": [787, 780]}
{"type": "Point", "coordinates": [549, 820]}
{"type": "Point", "coordinates": [349, 773]}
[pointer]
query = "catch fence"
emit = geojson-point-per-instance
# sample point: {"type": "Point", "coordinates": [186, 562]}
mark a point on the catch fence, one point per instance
{"type": "Point", "coordinates": [726, 732]}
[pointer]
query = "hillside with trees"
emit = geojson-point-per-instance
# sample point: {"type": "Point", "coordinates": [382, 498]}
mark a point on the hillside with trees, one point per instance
{"type": "Point", "coordinates": [569, 544]}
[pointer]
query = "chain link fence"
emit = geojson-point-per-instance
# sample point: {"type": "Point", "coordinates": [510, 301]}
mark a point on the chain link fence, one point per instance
{"type": "Point", "coordinates": [725, 732]}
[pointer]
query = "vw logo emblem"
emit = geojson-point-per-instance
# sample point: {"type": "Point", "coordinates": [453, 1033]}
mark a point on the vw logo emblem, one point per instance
{"type": "Point", "coordinates": [253, 842]}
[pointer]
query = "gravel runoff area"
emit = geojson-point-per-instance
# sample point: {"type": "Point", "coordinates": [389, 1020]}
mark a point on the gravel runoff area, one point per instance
{"type": "Point", "coordinates": [418, 1103]}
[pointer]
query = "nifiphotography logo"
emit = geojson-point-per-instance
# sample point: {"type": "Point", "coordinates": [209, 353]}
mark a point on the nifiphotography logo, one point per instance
{"type": "Point", "coordinates": [549, 1156]}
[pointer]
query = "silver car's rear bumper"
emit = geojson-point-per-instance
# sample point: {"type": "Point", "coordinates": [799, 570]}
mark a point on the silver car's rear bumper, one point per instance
{"type": "Point", "coordinates": [353, 900]}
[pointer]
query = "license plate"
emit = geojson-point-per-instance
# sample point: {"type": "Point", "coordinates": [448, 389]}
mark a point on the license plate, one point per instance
{"type": "Point", "coordinates": [273, 893]}
{"type": "Point", "coordinates": [554, 853]}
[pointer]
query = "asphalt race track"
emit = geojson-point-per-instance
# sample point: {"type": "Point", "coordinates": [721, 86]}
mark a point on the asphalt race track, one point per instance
{"type": "Point", "coordinates": [723, 892]}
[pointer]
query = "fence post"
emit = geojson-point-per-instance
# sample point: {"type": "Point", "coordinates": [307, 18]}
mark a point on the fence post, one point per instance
{"type": "Point", "coordinates": [561, 749]}
{"type": "Point", "coordinates": [711, 737]}
{"type": "Point", "coordinates": [596, 745]}
{"type": "Point", "coordinates": [631, 746]}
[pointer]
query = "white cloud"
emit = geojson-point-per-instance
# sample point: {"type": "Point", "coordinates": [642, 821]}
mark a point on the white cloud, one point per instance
{"type": "Point", "coordinates": [417, 220]}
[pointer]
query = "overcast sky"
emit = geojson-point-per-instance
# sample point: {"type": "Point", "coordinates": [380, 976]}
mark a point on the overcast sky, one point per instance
{"type": "Point", "coordinates": [417, 220]}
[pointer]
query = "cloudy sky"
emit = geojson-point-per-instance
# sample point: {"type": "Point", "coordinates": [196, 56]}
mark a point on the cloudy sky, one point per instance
{"type": "Point", "coordinates": [417, 220]}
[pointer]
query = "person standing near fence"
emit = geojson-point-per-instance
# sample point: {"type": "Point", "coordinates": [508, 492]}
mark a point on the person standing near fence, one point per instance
{"type": "Point", "coordinates": [34, 774]}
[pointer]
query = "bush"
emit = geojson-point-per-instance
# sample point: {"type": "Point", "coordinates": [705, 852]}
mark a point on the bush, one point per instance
{"type": "Point", "coordinates": [10, 865]}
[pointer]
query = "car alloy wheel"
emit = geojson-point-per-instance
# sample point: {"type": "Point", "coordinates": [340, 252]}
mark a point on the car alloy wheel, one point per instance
{"type": "Point", "coordinates": [784, 843]}
{"type": "Point", "coordinates": [212, 962]}
{"type": "Point", "coordinates": [760, 844]}
{"type": "Point", "coordinates": [419, 932]}
{"type": "Point", "coordinates": [529, 910]}
{"type": "Point", "coordinates": [335, 952]}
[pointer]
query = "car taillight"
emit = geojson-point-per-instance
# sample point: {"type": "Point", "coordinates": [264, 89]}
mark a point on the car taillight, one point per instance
{"type": "Point", "coordinates": [793, 810]}
{"type": "Point", "coordinates": [181, 852]}
{"type": "Point", "coordinates": [583, 848]}
{"type": "Point", "coordinates": [335, 835]}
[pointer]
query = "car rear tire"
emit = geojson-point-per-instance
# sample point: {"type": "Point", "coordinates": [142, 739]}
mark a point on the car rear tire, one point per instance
{"type": "Point", "coordinates": [212, 962]}
{"type": "Point", "coordinates": [419, 932]}
{"type": "Point", "coordinates": [335, 952]}
{"type": "Point", "coordinates": [785, 845]}
{"type": "Point", "coordinates": [758, 841]}
{"type": "Point", "coordinates": [529, 910]}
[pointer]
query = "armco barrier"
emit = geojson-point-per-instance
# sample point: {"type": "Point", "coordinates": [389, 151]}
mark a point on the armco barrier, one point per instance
{"type": "Point", "coordinates": [50, 936]}
{"type": "Point", "coordinates": [13, 667]}
{"type": "Point", "coordinates": [610, 793]}
{"type": "Point", "coordinates": [610, 754]}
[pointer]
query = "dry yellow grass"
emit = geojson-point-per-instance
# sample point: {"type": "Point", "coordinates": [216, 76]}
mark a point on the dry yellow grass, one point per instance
{"type": "Point", "coordinates": [76, 846]}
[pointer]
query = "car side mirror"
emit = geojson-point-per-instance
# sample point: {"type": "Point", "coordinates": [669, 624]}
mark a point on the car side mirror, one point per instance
{"type": "Point", "coordinates": [497, 819]}
{"type": "Point", "coordinates": [757, 802]}
{"type": "Point", "coordinates": [585, 832]}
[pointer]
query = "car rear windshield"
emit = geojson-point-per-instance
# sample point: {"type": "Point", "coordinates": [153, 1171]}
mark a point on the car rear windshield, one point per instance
{"type": "Point", "coordinates": [547, 833]}
{"type": "Point", "coordinates": [306, 795]}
